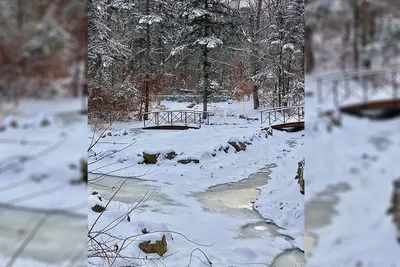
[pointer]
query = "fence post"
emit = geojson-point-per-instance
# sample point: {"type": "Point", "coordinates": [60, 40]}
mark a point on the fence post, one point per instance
{"type": "Point", "coordinates": [364, 85]}
{"type": "Point", "coordinates": [200, 116]}
{"type": "Point", "coordinates": [284, 111]}
{"type": "Point", "coordinates": [186, 119]}
{"type": "Point", "coordinates": [319, 90]}
{"type": "Point", "coordinates": [335, 93]}
{"type": "Point", "coordinates": [298, 113]}
{"type": "Point", "coordinates": [347, 86]}
{"type": "Point", "coordinates": [269, 118]}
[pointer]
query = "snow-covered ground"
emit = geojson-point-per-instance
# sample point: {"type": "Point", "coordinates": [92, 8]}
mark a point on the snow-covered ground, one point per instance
{"type": "Point", "coordinates": [349, 174]}
{"type": "Point", "coordinates": [119, 153]}
{"type": "Point", "coordinates": [42, 143]}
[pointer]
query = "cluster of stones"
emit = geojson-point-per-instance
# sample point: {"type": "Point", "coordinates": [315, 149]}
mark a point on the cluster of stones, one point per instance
{"type": "Point", "coordinates": [15, 125]}
{"type": "Point", "coordinates": [152, 158]}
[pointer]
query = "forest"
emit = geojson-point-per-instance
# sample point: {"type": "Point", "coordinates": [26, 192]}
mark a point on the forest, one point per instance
{"type": "Point", "coordinates": [43, 43]}
{"type": "Point", "coordinates": [351, 34]}
{"type": "Point", "coordinates": [141, 51]}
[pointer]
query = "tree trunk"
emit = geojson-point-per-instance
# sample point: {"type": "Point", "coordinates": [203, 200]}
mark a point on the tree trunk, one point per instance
{"type": "Point", "coordinates": [20, 14]}
{"type": "Point", "coordinates": [205, 67]}
{"type": "Point", "coordinates": [75, 81]}
{"type": "Point", "coordinates": [356, 28]}
{"type": "Point", "coordinates": [147, 78]}
{"type": "Point", "coordinates": [309, 53]}
{"type": "Point", "coordinates": [256, 56]}
{"type": "Point", "coordinates": [205, 81]}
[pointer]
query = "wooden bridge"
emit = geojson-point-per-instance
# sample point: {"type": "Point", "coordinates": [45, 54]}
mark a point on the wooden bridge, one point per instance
{"type": "Point", "coordinates": [284, 118]}
{"type": "Point", "coordinates": [174, 119]}
{"type": "Point", "coordinates": [357, 92]}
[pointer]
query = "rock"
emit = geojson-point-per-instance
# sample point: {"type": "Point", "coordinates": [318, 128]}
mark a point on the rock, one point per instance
{"type": "Point", "coordinates": [252, 119]}
{"type": "Point", "coordinates": [226, 149]}
{"type": "Point", "coordinates": [160, 247]}
{"type": "Point", "coordinates": [98, 208]}
{"type": "Point", "coordinates": [109, 134]}
{"type": "Point", "coordinates": [44, 123]}
{"type": "Point", "coordinates": [14, 124]}
{"type": "Point", "coordinates": [394, 208]}
{"type": "Point", "coordinates": [3, 128]}
{"type": "Point", "coordinates": [170, 155]}
{"type": "Point", "coordinates": [84, 170]}
{"type": "Point", "coordinates": [150, 158]}
{"type": "Point", "coordinates": [213, 154]}
{"type": "Point", "coordinates": [191, 105]}
{"type": "Point", "coordinates": [125, 133]}
{"type": "Point", "coordinates": [242, 117]}
{"type": "Point", "coordinates": [299, 176]}
{"type": "Point", "coordinates": [187, 161]}
{"type": "Point", "coordinates": [239, 146]}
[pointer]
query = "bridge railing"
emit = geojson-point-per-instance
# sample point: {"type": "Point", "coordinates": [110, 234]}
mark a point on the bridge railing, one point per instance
{"type": "Point", "coordinates": [361, 86]}
{"type": "Point", "coordinates": [174, 117]}
{"type": "Point", "coordinates": [282, 115]}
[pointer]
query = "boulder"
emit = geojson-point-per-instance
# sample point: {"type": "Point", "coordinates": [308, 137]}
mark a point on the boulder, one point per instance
{"type": "Point", "coordinates": [150, 158]}
{"type": "Point", "coordinates": [238, 146]}
{"type": "Point", "coordinates": [98, 208]}
{"type": "Point", "coordinates": [159, 247]}
{"type": "Point", "coordinates": [170, 155]}
{"type": "Point", "coordinates": [14, 124]}
{"type": "Point", "coordinates": [187, 161]}
{"type": "Point", "coordinates": [44, 123]}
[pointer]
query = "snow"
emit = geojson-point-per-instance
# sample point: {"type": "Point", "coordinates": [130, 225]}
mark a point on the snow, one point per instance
{"type": "Point", "coordinates": [150, 19]}
{"type": "Point", "coordinates": [180, 181]}
{"type": "Point", "coordinates": [40, 160]}
{"type": "Point", "coordinates": [362, 155]}
{"type": "Point", "coordinates": [210, 42]}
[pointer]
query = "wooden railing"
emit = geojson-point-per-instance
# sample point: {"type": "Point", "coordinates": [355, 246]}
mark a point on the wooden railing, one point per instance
{"type": "Point", "coordinates": [282, 115]}
{"type": "Point", "coordinates": [367, 84]}
{"type": "Point", "coordinates": [187, 118]}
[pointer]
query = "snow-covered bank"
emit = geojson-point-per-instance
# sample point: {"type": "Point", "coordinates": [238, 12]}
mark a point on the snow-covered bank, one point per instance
{"type": "Point", "coordinates": [361, 154]}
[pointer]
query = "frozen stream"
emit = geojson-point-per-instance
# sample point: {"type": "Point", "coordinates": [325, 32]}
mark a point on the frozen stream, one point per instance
{"type": "Point", "coordinates": [319, 212]}
{"type": "Point", "coordinates": [59, 240]}
{"type": "Point", "coordinates": [233, 200]}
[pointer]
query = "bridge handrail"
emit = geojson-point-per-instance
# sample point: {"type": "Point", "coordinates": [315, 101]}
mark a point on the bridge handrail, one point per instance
{"type": "Point", "coordinates": [280, 108]}
{"type": "Point", "coordinates": [176, 110]}
{"type": "Point", "coordinates": [354, 72]}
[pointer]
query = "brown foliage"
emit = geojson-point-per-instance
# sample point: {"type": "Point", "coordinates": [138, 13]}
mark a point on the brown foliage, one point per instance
{"type": "Point", "coordinates": [105, 106]}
